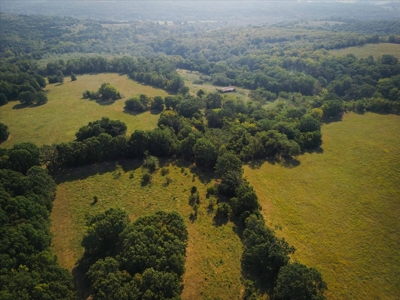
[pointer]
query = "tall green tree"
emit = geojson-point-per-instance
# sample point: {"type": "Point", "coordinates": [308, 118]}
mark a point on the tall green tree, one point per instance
{"type": "Point", "coordinates": [205, 153]}
{"type": "Point", "coordinates": [297, 281]}
{"type": "Point", "coordinates": [4, 133]}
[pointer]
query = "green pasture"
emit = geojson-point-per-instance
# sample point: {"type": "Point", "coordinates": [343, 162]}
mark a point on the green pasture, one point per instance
{"type": "Point", "coordinates": [213, 254]}
{"type": "Point", "coordinates": [66, 111]}
{"type": "Point", "coordinates": [191, 77]}
{"type": "Point", "coordinates": [376, 50]}
{"type": "Point", "coordinates": [340, 207]}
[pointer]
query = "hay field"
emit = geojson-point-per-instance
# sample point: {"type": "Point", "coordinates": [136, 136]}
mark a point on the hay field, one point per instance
{"type": "Point", "coordinates": [341, 208]}
{"type": "Point", "coordinates": [213, 268]}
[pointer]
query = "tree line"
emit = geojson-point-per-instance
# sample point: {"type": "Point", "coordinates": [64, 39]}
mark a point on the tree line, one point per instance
{"type": "Point", "coordinates": [28, 267]}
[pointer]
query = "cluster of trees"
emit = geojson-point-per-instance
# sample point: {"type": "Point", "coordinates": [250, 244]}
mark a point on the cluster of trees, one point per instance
{"type": "Point", "coordinates": [281, 59]}
{"type": "Point", "coordinates": [105, 125]}
{"type": "Point", "coordinates": [155, 71]}
{"type": "Point", "coordinates": [141, 260]}
{"type": "Point", "coordinates": [184, 130]}
{"type": "Point", "coordinates": [20, 158]}
{"type": "Point", "coordinates": [20, 82]}
{"type": "Point", "coordinates": [106, 92]}
{"type": "Point", "coordinates": [28, 267]}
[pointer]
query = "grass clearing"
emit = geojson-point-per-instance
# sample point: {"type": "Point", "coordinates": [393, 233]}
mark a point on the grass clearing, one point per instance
{"type": "Point", "coordinates": [376, 50]}
{"type": "Point", "coordinates": [190, 77]}
{"type": "Point", "coordinates": [213, 268]}
{"type": "Point", "coordinates": [66, 111]}
{"type": "Point", "coordinates": [340, 209]}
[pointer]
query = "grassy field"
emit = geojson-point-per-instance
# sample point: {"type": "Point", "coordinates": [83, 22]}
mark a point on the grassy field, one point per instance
{"type": "Point", "coordinates": [376, 50]}
{"type": "Point", "coordinates": [66, 111]}
{"type": "Point", "coordinates": [190, 77]}
{"type": "Point", "coordinates": [213, 255]}
{"type": "Point", "coordinates": [341, 208]}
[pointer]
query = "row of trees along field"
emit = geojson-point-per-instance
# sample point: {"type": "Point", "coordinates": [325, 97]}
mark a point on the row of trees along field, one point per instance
{"type": "Point", "coordinates": [28, 267]}
{"type": "Point", "coordinates": [142, 260]}
{"type": "Point", "coordinates": [347, 78]}
{"type": "Point", "coordinates": [25, 80]}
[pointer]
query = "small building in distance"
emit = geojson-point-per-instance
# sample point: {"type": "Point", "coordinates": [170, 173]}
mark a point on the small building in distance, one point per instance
{"type": "Point", "coordinates": [227, 89]}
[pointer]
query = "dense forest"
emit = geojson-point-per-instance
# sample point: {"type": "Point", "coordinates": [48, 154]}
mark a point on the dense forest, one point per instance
{"type": "Point", "coordinates": [287, 63]}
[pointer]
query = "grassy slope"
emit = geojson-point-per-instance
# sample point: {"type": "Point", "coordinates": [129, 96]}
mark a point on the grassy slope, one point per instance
{"type": "Point", "coordinates": [66, 111]}
{"type": "Point", "coordinates": [376, 50]}
{"type": "Point", "coordinates": [341, 208]}
{"type": "Point", "coordinates": [213, 253]}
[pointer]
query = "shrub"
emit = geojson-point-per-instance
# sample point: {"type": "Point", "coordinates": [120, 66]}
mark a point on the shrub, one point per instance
{"type": "Point", "coordinates": [146, 178]}
{"type": "Point", "coordinates": [151, 163]}
{"type": "Point", "coordinates": [211, 190]}
{"type": "Point", "coordinates": [223, 211]}
{"type": "Point", "coordinates": [164, 171]}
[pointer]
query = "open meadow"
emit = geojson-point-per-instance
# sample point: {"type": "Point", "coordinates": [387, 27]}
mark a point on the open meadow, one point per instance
{"type": "Point", "coordinates": [66, 111]}
{"type": "Point", "coordinates": [375, 50]}
{"type": "Point", "coordinates": [213, 254]}
{"type": "Point", "coordinates": [192, 81]}
{"type": "Point", "coordinates": [340, 208]}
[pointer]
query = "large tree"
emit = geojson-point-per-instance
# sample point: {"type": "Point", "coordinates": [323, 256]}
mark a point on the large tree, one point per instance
{"type": "Point", "coordinates": [297, 282]}
{"type": "Point", "coordinates": [4, 133]}
{"type": "Point", "coordinates": [205, 153]}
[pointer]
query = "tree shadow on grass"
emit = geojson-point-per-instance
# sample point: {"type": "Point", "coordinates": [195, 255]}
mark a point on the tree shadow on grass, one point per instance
{"type": "Point", "coordinates": [255, 164]}
{"type": "Point", "coordinates": [290, 162]}
{"type": "Point", "coordinates": [105, 102]}
{"type": "Point", "coordinates": [20, 106]}
{"type": "Point", "coordinates": [337, 118]}
{"type": "Point", "coordinates": [156, 111]}
{"type": "Point", "coordinates": [133, 113]}
{"type": "Point", "coordinates": [318, 150]}
{"type": "Point", "coordinates": [80, 173]}
{"type": "Point", "coordinates": [287, 162]}
{"type": "Point", "coordinates": [81, 281]}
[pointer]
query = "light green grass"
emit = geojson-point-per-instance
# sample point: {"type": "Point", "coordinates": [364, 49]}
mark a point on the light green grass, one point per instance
{"type": "Point", "coordinates": [341, 208]}
{"type": "Point", "coordinates": [66, 111]}
{"type": "Point", "coordinates": [213, 255]}
{"type": "Point", "coordinates": [376, 50]}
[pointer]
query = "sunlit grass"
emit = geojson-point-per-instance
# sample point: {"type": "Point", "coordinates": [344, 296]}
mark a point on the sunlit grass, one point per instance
{"type": "Point", "coordinates": [190, 78]}
{"type": "Point", "coordinates": [341, 208]}
{"type": "Point", "coordinates": [66, 111]}
{"type": "Point", "coordinates": [376, 50]}
{"type": "Point", "coordinates": [213, 255]}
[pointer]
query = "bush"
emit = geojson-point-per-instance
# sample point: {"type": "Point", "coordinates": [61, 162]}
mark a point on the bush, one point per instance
{"type": "Point", "coordinates": [146, 178]}
{"type": "Point", "coordinates": [151, 163]}
{"type": "Point", "coordinates": [194, 198]}
{"type": "Point", "coordinates": [4, 133]}
{"type": "Point", "coordinates": [164, 171]}
{"type": "Point", "coordinates": [211, 190]}
{"type": "Point", "coordinates": [223, 211]}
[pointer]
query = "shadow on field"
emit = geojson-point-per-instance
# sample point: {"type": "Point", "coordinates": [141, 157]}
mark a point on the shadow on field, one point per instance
{"type": "Point", "coordinates": [80, 173]}
{"type": "Point", "coordinates": [318, 150]}
{"type": "Point", "coordinates": [288, 162]}
{"type": "Point", "coordinates": [156, 111]}
{"type": "Point", "coordinates": [81, 282]}
{"type": "Point", "coordinates": [133, 113]}
{"type": "Point", "coordinates": [20, 106]}
{"type": "Point", "coordinates": [337, 118]}
{"type": "Point", "coordinates": [105, 102]}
